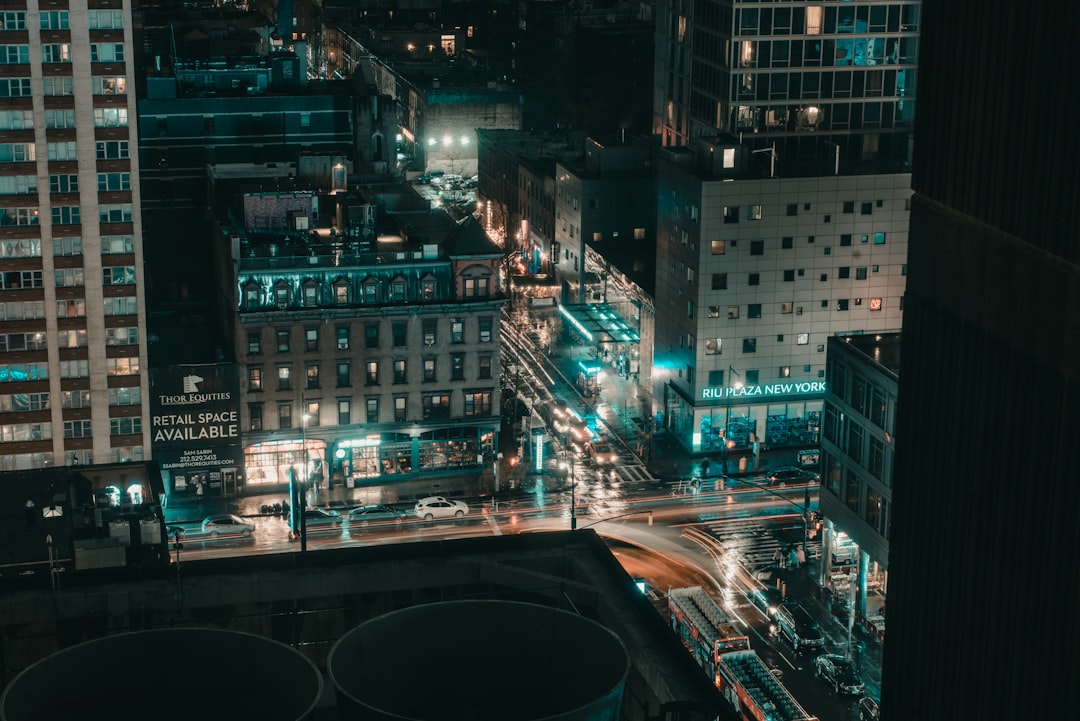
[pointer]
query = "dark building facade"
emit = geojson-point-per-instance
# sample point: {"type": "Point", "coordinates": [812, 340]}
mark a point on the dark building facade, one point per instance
{"type": "Point", "coordinates": [984, 520]}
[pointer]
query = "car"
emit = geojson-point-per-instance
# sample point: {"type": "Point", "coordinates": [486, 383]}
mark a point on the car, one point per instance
{"type": "Point", "coordinates": [439, 507]}
{"type": "Point", "coordinates": [868, 709]}
{"type": "Point", "coordinates": [793, 475]}
{"type": "Point", "coordinates": [795, 623]}
{"type": "Point", "coordinates": [765, 599]}
{"type": "Point", "coordinates": [602, 454]}
{"type": "Point", "coordinates": [429, 176]}
{"type": "Point", "coordinates": [769, 574]}
{"type": "Point", "coordinates": [839, 672]}
{"type": "Point", "coordinates": [579, 435]}
{"type": "Point", "coordinates": [175, 532]}
{"type": "Point", "coordinates": [227, 524]}
{"type": "Point", "coordinates": [320, 518]}
{"type": "Point", "coordinates": [365, 516]}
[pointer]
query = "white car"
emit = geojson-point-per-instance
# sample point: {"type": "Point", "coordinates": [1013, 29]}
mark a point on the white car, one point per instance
{"type": "Point", "coordinates": [227, 524]}
{"type": "Point", "coordinates": [439, 507]}
{"type": "Point", "coordinates": [602, 454]}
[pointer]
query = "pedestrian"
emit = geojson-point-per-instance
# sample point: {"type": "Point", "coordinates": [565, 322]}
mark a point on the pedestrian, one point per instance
{"type": "Point", "coordinates": [285, 509]}
{"type": "Point", "coordinates": [800, 556]}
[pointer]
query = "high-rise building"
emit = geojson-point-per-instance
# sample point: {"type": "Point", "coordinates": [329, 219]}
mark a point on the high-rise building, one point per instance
{"type": "Point", "coordinates": [982, 583]}
{"type": "Point", "coordinates": [829, 85]}
{"type": "Point", "coordinates": [72, 348]}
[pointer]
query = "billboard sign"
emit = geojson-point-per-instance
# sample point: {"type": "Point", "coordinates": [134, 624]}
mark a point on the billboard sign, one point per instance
{"type": "Point", "coordinates": [195, 425]}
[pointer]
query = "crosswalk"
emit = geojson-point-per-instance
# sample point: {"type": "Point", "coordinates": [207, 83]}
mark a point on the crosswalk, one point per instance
{"type": "Point", "coordinates": [753, 542]}
{"type": "Point", "coordinates": [634, 472]}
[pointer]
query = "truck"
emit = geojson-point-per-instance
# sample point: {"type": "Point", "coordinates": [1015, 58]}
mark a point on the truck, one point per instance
{"type": "Point", "coordinates": [743, 679]}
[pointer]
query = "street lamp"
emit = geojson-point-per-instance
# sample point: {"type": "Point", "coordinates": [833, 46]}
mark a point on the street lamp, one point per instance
{"type": "Point", "coordinates": [301, 500]}
{"type": "Point", "coordinates": [728, 443]}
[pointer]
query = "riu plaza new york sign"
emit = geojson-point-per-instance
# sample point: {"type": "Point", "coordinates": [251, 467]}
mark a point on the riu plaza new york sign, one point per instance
{"type": "Point", "coordinates": [769, 389]}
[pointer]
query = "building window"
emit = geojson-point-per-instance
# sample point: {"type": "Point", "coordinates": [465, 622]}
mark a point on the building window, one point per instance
{"type": "Point", "coordinates": [255, 379]}
{"type": "Point", "coordinates": [757, 247]}
{"type": "Point", "coordinates": [714, 311]}
{"type": "Point", "coordinates": [843, 272]}
{"type": "Point", "coordinates": [484, 367]}
{"type": "Point", "coordinates": [754, 279]}
{"type": "Point", "coordinates": [284, 378]}
{"type": "Point", "coordinates": [399, 409]}
{"type": "Point", "coordinates": [875, 304]}
{"type": "Point", "coordinates": [342, 336]}
{"type": "Point", "coordinates": [371, 373]}
{"type": "Point", "coordinates": [845, 240]}
{"type": "Point", "coordinates": [284, 415]}
{"type": "Point", "coordinates": [787, 242]}
{"type": "Point", "coordinates": [312, 375]}
{"type": "Point", "coordinates": [254, 339]}
{"type": "Point", "coordinates": [371, 292]}
{"type": "Point", "coordinates": [430, 334]}
{"type": "Point", "coordinates": [429, 370]}
{"type": "Point", "coordinates": [400, 333]}
{"type": "Point", "coordinates": [311, 339]}
{"type": "Point", "coordinates": [713, 346]}
{"type": "Point", "coordinates": [344, 372]}
{"type": "Point", "coordinates": [718, 247]}
{"type": "Point", "coordinates": [341, 293]}
{"type": "Point", "coordinates": [457, 367]}
{"type": "Point", "coordinates": [785, 307]}
{"type": "Point", "coordinates": [310, 294]}
{"type": "Point", "coordinates": [719, 281]}
{"type": "Point", "coordinates": [485, 329]}
{"type": "Point", "coordinates": [749, 345]}
{"type": "Point", "coordinates": [753, 310]}
{"type": "Point", "coordinates": [400, 375]}
{"type": "Point", "coordinates": [372, 408]}
{"type": "Point", "coordinates": [255, 415]}
{"type": "Point", "coordinates": [344, 411]}
{"type": "Point", "coordinates": [436, 406]}
{"type": "Point", "coordinates": [793, 209]}
{"type": "Point", "coordinates": [371, 335]}
{"type": "Point", "coordinates": [866, 209]}
{"type": "Point", "coordinates": [879, 239]}
{"type": "Point", "coordinates": [457, 331]}
{"type": "Point", "coordinates": [312, 416]}
{"type": "Point", "coordinates": [478, 403]}
{"type": "Point", "coordinates": [731, 214]}
{"type": "Point", "coordinates": [397, 291]}
{"type": "Point", "coordinates": [732, 312]}
{"type": "Point", "coordinates": [282, 336]}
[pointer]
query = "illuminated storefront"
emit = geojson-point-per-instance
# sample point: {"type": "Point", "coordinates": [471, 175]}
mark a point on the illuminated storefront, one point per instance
{"type": "Point", "coordinates": [394, 454]}
{"type": "Point", "coordinates": [777, 415]}
{"type": "Point", "coordinates": [268, 463]}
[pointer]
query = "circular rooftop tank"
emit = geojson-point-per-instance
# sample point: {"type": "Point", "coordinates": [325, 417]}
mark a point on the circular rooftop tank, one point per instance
{"type": "Point", "coordinates": [175, 674]}
{"type": "Point", "coordinates": [479, 661]}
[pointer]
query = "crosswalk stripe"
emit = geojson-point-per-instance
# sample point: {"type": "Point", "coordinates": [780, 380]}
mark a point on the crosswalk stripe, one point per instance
{"type": "Point", "coordinates": [635, 473]}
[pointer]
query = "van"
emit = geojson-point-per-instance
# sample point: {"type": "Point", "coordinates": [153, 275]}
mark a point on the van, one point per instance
{"type": "Point", "coordinates": [799, 627]}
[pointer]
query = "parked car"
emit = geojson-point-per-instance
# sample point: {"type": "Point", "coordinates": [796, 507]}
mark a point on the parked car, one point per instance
{"type": "Point", "coordinates": [427, 177]}
{"type": "Point", "coordinates": [868, 709]}
{"type": "Point", "coordinates": [766, 599]}
{"type": "Point", "coordinates": [793, 475]}
{"type": "Point", "coordinates": [365, 516]}
{"type": "Point", "coordinates": [838, 672]}
{"type": "Point", "coordinates": [227, 524]}
{"type": "Point", "coordinates": [321, 518]}
{"type": "Point", "coordinates": [439, 507]}
{"type": "Point", "coordinates": [602, 454]}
